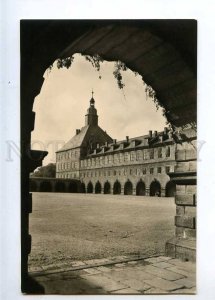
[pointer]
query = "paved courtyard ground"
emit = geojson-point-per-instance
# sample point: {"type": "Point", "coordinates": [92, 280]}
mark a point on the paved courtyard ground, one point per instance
{"type": "Point", "coordinates": [69, 227]}
{"type": "Point", "coordinates": [119, 275]}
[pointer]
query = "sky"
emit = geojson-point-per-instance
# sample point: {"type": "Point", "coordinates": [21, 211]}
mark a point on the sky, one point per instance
{"type": "Point", "coordinates": [64, 99]}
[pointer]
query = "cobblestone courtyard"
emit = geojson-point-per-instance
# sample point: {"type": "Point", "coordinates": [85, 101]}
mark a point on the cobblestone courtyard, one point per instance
{"type": "Point", "coordinates": [105, 244]}
{"type": "Point", "coordinates": [67, 227]}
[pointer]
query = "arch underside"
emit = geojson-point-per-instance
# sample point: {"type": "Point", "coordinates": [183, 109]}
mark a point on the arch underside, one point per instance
{"type": "Point", "coordinates": [155, 188]}
{"type": "Point", "coordinates": [157, 60]}
{"type": "Point", "coordinates": [162, 52]}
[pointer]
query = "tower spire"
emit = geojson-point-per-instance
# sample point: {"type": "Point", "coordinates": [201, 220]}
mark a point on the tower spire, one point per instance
{"type": "Point", "coordinates": [92, 101]}
{"type": "Point", "coordinates": [91, 118]}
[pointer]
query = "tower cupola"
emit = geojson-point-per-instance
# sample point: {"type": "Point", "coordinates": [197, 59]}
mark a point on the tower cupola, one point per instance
{"type": "Point", "coordinates": [91, 118]}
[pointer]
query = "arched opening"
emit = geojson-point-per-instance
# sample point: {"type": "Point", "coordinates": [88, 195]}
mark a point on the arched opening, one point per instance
{"type": "Point", "coordinates": [170, 189]}
{"type": "Point", "coordinates": [155, 188]}
{"type": "Point", "coordinates": [73, 187]}
{"type": "Point", "coordinates": [140, 189]}
{"type": "Point", "coordinates": [117, 188]}
{"type": "Point", "coordinates": [60, 187]}
{"type": "Point", "coordinates": [83, 188]}
{"type": "Point", "coordinates": [128, 188]}
{"type": "Point", "coordinates": [33, 186]}
{"type": "Point", "coordinates": [98, 188]}
{"type": "Point", "coordinates": [107, 188]}
{"type": "Point", "coordinates": [45, 186]}
{"type": "Point", "coordinates": [90, 188]}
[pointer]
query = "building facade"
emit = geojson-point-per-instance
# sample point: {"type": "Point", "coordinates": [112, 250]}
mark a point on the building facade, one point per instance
{"type": "Point", "coordinates": [134, 166]}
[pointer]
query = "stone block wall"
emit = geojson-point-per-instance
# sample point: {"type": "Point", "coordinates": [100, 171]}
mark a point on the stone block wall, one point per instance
{"type": "Point", "coordinates": [183, 244]}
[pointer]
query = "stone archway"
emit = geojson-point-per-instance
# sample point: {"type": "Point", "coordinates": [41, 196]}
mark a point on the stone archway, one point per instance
{"type": "Point", "coordinates": [98, 188]}
{"type": "Point", "coordinates": [155, 188]}
{"type": "Point", "coordinates": [45, 186]}
{"type": "Point", "coordinates": [107, 188]}
{"type": "Point", "coordinates": [60, 187]}
{"type": "Point", "coordinates": [117, 188]}
{"type": "Point", "coordinates": [82, 188]}
{"type": "Point", "coordinates": [73, 188]}
{"type": "Point", "coordinates": [170, 189]}
{"type": "Point", "coordinates": [128, 188]}
{"type": "Point", "coordinates": [140, 188]}
{"type": "Point", "coordinates": [90, 188]}
{"type": "Point", "coordinates": [167, 63]}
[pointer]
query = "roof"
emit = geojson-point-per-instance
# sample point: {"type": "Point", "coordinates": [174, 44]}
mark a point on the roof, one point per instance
{"type": "Point", "coordinates": [86, 133]}
{"type": "Point", "coordinates": [75, 141]}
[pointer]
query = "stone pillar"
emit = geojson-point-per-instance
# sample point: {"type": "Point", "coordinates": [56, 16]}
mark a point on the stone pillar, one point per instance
{"type": "Point", "coordinates": [147, 193]}
{"type": "Point", "coordinates": [102, 190]}
{"type": "Point", "coordinates": [183, 244]}
{"type": "Point", "coordinates": [163, 192]}
{"type": "Point", "coordinates": [134, 191]}
{"type": "Point", "coordinates": [122, 190]}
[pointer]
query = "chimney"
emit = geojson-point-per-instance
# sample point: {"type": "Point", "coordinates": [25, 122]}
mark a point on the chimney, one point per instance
{"type": "Point", "coordinates": [114, 141]}
{"type": "Point", "coordinates": [77, 131]}
{"type": "Point", "coordinates": [165, 130]}
{"type": "Point", "coordinates": [127, 138]}
{"type": "Point", "coordinates": [150, 133]}
{"type": "Point", "coordinates": [155, 133]}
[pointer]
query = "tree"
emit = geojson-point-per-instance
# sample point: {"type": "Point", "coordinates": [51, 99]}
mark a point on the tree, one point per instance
{"type": "Point", "coordinates": [46, 171]}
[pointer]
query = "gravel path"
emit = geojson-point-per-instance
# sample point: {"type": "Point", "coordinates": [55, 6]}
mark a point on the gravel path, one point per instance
{"type": "Point", "coordinates": [78, 226]}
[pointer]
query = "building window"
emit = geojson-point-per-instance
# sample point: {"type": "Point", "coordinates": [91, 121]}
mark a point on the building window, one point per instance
{"type": "Point", "coordinates": [151, 153]}
{"type": "Point", "coordinates": [114, 173]}
{"type": "Point", "coordinates": [167, 169]}
{"type": "Point", "coordinates": [168, 151]}
{"type": "Point", "coordinates": [159, 169]}
{"type": "Point", "coordinates": [144, 171]}
{"type": "Point", "coordinates": [126, 156]}
{"type": "Point", "coordinates": [132, 155]}
{"type": "Point", "coordinates": [145, 152]}
{"type": "Point", "coordinates": [139, 155]}
{"type": "Point", "coordinates": [130, 171]}
{"type": "Point", "coordinates": [151, 170]}
{"type": "Point", "coordinates": [115, 158]}
{"type": "Point", "coordinates": [159, 152]}
{"type": "Point", "coordinates": [108, 173]}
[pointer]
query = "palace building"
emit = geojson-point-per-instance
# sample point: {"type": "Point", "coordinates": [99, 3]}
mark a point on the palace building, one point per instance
{"type": "Point", "coordinates": [134, 166]}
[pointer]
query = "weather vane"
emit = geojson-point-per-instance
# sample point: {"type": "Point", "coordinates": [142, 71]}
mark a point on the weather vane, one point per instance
{"type": "Point", "coordinates": [92, 93]}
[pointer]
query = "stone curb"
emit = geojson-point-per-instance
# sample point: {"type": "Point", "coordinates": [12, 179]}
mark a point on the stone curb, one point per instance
{"type": "Point", "coordinates": [112, 261]}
